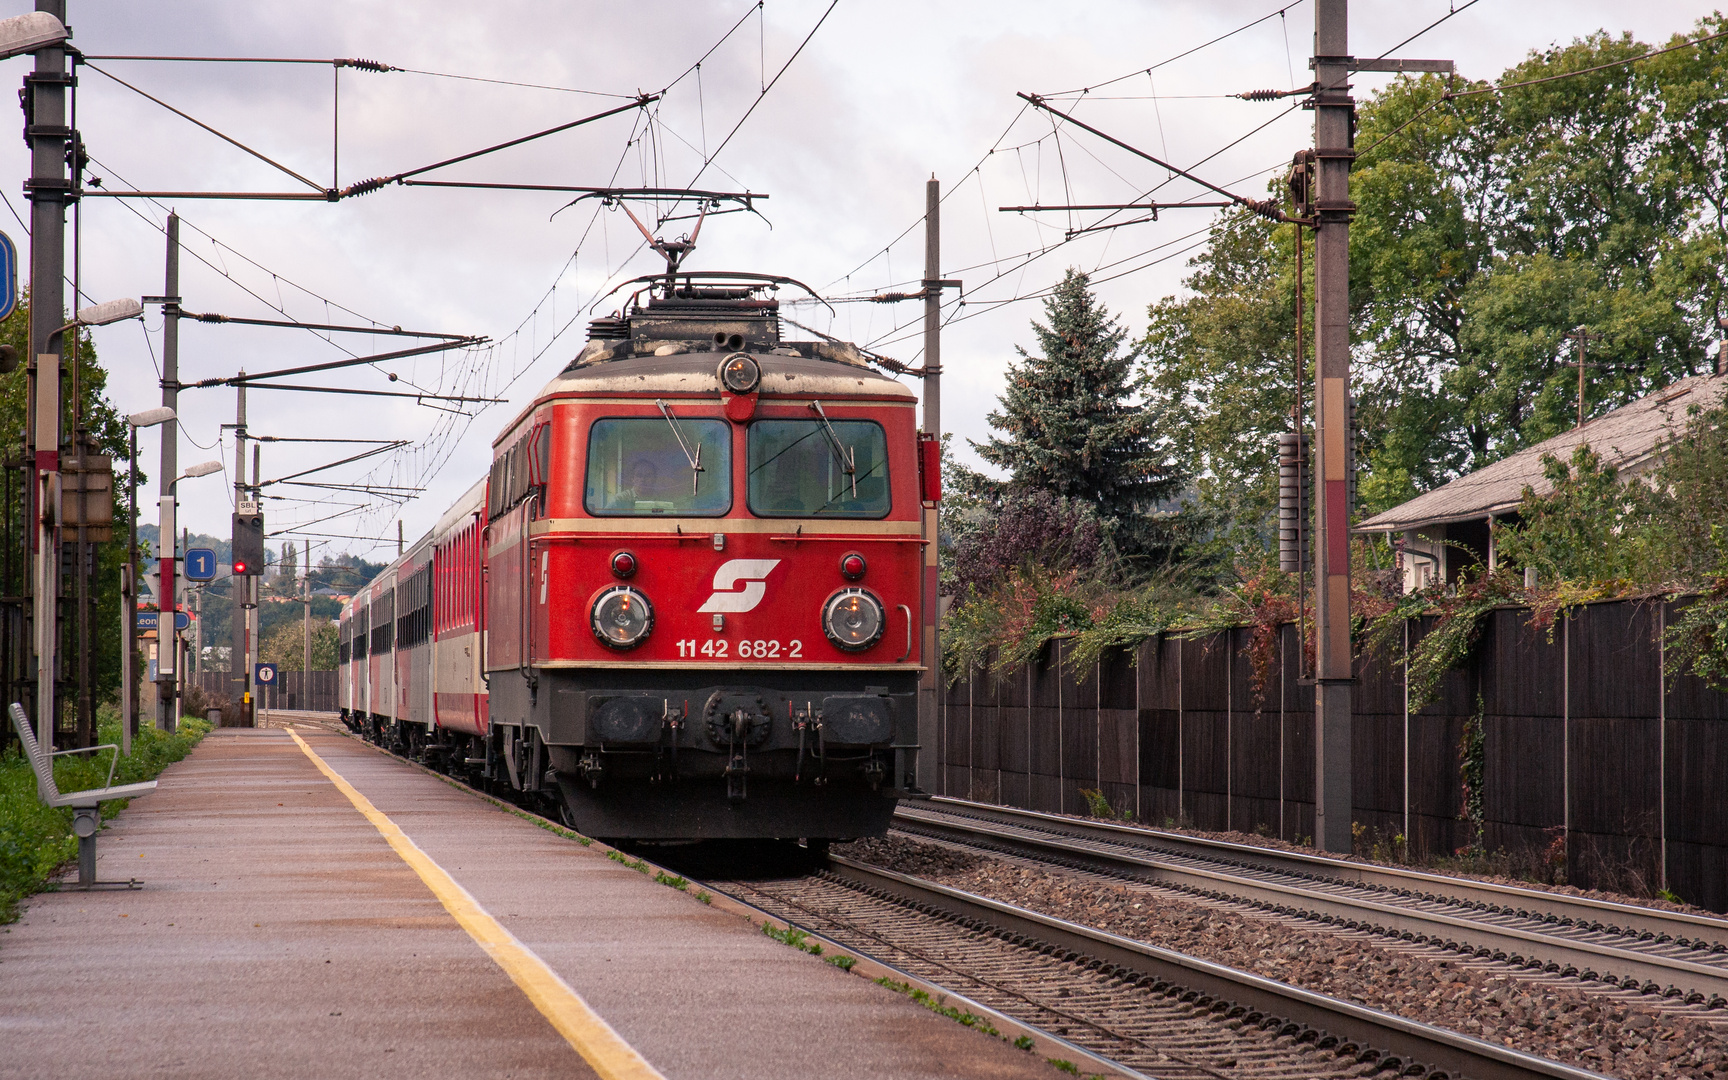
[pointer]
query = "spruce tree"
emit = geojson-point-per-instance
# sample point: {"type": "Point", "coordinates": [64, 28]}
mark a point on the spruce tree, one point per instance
{"type": "Point", "coordinates": [1069, 425]}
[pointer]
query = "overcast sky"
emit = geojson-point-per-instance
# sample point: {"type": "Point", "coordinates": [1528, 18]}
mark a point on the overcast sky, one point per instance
{"type": "Point", "coordinates": [885, 95]}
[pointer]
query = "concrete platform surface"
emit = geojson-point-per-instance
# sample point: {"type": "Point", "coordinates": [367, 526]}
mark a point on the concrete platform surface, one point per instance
{"type": "Point", "coordinates": [279, 935]}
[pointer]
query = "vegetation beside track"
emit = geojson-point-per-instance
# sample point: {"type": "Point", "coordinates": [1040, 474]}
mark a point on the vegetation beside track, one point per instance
{"type": "Point", "coordinates": [36, 840]}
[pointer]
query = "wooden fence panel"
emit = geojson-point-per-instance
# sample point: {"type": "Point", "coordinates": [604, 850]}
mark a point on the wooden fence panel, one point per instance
{"type": "Point", "coordinates": [1158, 707]}
{"type": "Point", "coordinates": [1582, 736]}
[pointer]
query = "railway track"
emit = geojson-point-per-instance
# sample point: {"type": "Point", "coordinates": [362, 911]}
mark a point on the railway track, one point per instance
{"type": "Point", "coordinates": [1122, 1005]}
{"type": "Point", "coordinates": [1673, 954]}
{"type": "Point", "coordinates": [1143, 1010]}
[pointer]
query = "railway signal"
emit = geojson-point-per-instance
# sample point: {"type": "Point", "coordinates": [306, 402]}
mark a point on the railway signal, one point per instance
{"type": "Point", "coordinates": [248, 543]}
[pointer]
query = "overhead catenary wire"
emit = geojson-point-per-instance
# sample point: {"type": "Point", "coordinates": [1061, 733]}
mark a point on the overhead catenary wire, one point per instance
{"type": "Point", "coordinates": [1136, 73]}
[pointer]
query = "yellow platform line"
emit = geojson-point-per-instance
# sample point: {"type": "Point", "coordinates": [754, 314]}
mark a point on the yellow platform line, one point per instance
{"type": "Point", "coordinates": [591, 1036]}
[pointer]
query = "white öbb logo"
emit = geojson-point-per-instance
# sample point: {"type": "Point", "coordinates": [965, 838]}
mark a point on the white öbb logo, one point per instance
{"type": "Point", "coordinates": [753, 573]}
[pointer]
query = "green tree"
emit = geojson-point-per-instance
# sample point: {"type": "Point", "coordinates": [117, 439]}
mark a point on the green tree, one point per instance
{"type": "Point", "coordinates": [1071, 427]}
{"type": "Point", "coordinates": [1489, 228]}
{"type": "Point", "coordinates": [1588, 527]}
{"type": "Point", "coordinates": [287, 572]}
{"type": "Point", "coordinates": [1492, 226]}
{"type": "Point", "coordinates": [1219, 367]}
{"type": "Point", "coordinates": [286, 646]}
{"type": "Point", "coordinates": [90, 411]}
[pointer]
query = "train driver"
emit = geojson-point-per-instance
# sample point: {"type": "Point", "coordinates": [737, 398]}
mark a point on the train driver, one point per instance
{"type": "Point", "coordinates": [644, 486]}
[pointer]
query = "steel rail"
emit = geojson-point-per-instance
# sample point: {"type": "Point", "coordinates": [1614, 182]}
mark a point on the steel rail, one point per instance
{"type": "Point", "coordinates": [1260, 1001]}
{"type": "Point", "coordinates": [1508, 899]}
{"type": "Point", "coordinates": [1531, 945]}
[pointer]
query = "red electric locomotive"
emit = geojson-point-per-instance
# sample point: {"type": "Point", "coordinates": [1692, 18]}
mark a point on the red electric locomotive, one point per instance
{"type": "Point", "coordinates": [686, 602]}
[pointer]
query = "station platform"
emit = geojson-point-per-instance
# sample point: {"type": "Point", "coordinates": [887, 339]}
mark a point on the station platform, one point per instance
{"type": "Point", "coordinates": [283, 931]}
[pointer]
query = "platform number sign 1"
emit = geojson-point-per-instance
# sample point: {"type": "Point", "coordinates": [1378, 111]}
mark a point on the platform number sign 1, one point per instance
{"type": "Point", "coordinates": [200, 564]}
{"type": "Point", "coordinates": [264, 674]}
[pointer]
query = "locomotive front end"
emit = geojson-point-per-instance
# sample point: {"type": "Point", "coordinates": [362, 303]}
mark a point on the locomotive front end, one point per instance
{"type": "Point", "coordinates": [705, 564]}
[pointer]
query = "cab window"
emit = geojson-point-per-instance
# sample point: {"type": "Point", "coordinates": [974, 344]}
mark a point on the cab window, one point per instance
{"type": "Point", "coordinates": [809, 468]}
{"type": "Point", "coordinates": [638, 467]}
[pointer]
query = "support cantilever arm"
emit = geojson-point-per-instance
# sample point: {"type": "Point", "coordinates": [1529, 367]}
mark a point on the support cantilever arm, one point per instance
{"type": "Point", "coordinates": [366, 186]}
{"type": "Point", "coordinates": [243, 379]}
{"type": "Point", "coordinates": [1266, 208]}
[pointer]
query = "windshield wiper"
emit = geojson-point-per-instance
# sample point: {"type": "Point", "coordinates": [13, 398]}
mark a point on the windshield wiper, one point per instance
{"type": "Point", "coordinates": [842, 454]}
{"type": "Point", "coordinates": [693, 457]}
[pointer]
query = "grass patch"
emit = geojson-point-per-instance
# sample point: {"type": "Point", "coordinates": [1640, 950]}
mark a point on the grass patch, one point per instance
{"type": "Point", "coordinates": [959, 1016]}
{"type": "Point", "coordinates": [671, 880]}
{"type": "Point", "coordinates": [36, 840]}
{"type": "Point", "coordinates": [844, 963]}
{"type": "Point", "coordinates": [798, 939]}
{"type": "Point", "coordinates": [705, 896]}
{"type": "Point", "coordinates": [635, 864]}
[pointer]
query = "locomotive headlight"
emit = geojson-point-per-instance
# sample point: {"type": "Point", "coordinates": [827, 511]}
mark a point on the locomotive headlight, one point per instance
{"type": "Point", "coordinates": [853, 619]}
{"type": "Point", "coordinates": [739, 373]}
{"type": "Point", "coordinates": [622, 617]}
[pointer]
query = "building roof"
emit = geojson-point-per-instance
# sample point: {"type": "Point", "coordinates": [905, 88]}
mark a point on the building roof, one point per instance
{"type": "Point", "coordinates": [1630, 438]}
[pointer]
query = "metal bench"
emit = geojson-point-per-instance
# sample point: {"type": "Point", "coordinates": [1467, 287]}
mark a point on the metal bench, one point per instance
{"type": "Point", "coordinates": [85, 816]}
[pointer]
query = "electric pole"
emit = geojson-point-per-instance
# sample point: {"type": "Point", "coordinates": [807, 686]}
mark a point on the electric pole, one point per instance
{"type": "Point", "coordinates": [1333, 107]}
{"type": "Point", "coordinates": [929, 687]}
{"type": "Point", "coordinates": [48, 188]}
{"type": "Point", "coordinates": [239, 586]}
{"type": "Point", "coordinates": [254, 583]}
{"type": "Point", "coordinates": [166, 720]}
{"type": "Point", "coordinates": [1582, 335]}
{"type": "Point", "coordinates": [306, 599]}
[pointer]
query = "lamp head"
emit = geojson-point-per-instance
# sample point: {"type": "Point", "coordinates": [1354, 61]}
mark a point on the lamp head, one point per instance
{"type": "Point", "coordinates": [151, 417]}
{"type": "Point", "coordinates": [27, 33]}
{"type": "Point", "coordinates": [110, 311]}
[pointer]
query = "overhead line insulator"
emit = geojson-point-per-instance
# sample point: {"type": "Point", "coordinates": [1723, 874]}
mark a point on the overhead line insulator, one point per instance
{"type": "Point", "coordinates": [365, 187]}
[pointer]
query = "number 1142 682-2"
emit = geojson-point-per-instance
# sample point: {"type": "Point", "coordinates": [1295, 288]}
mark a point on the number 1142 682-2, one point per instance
{"type": "Point", "coordinates": [721, 649]}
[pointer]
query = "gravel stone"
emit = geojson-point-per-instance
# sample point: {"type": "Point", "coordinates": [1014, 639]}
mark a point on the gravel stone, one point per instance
{"type": "Point", "coordinates": [1555, 1021]}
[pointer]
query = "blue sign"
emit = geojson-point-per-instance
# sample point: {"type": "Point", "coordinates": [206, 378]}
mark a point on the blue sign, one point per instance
{"type": "Point", "coordinates": [149, 620]}
{"type": "Point", "coordinates": [200, 564]}
{"type": "Point", "coordinates": [264, 674]}
{"type": "Point", "coordinates": [8, 275]}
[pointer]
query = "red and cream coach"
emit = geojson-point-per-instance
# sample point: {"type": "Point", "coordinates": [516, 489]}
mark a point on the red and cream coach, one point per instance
{"type": "Point", "coordinates": [685, 602]}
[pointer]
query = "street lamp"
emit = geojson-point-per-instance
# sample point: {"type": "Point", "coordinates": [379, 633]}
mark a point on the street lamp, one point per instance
{"type": "Point", "coordinates": [46, 424]}
{"type": "Point", "coordinates": [129, 586]}
{"type": "Point", "coordinates": [27, 33]}
{"type": "Point", "coordinates": [168, 715]}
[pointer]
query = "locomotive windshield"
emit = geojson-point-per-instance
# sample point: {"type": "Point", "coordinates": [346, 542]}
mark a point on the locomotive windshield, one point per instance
{"type": "Point", "coordinates": [797, 470]}
{"type": "Point", "coordinates": [637, 467]}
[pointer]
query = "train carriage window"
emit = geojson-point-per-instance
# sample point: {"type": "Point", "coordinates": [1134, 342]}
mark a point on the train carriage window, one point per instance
{"type": "Point", "coordinates": [357, 622]}
{"type": "Point", "coordinates": [798, 470]}
{"type": "Point", "coordinates": [638, 467]}
{"type": "Point", "coordinates": [383, 623]}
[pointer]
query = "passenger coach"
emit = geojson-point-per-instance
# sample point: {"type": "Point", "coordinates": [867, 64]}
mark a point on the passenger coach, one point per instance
{"type": "Point", "coordinates": [685, 602]}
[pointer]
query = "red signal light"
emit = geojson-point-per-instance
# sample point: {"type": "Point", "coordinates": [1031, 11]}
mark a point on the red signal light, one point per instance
{"type": "Point", "coordinates": [852, 566]}
{"type": "Point", "coordinates": [623, 564]}
{"type": "Point", "coordinates": [240, 566]}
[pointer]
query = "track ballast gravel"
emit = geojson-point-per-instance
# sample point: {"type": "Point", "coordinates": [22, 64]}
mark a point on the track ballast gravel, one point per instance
{"type": "Point", "coordinates": [1601, 1032]}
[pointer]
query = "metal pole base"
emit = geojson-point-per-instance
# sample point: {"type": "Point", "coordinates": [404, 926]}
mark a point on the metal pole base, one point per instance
{"type": "Point", "coordinates": [86, 820]}
{"type": "Point", "coordinates": [1333, 802]}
